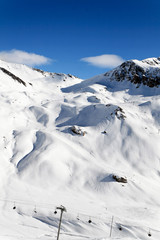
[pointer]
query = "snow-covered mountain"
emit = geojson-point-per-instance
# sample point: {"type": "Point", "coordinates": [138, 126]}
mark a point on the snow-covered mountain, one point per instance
{"type": "Point", "coordinates": [89, 145]}
{"type": "Point", "coordinates": [146, 72]}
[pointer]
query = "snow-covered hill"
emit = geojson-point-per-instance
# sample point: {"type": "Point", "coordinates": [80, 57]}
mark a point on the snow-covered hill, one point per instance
{"type": "Point", "coordinates": [65, 141]}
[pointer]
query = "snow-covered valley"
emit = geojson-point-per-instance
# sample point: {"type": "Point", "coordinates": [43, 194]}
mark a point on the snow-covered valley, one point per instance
{"type": "Point", "coordinates": [63, 141]}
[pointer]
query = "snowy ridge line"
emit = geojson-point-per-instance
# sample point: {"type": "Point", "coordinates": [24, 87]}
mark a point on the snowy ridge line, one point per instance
{"type": "Point", "coordinates": [80, 216]}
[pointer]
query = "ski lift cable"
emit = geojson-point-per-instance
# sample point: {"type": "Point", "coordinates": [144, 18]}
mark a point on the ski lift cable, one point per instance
{"type": "Point", "coordinates": [81, 216]}
{"type": "Point", "coordinates": [41, 205]}
{"type": "Point", "coordinates": [53, 206]}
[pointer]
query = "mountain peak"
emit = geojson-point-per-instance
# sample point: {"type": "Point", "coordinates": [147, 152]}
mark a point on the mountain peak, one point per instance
{"type": "Point", "coordinates": [146, 72]}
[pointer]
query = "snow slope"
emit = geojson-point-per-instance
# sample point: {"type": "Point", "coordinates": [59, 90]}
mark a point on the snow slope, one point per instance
{"type": "Point", "coordinates": [61, 141]}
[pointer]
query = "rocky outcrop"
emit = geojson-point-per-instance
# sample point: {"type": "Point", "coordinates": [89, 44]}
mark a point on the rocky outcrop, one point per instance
{"type": "Point", "coordinates": [119, 179]}
{"type": "Point", "coordinates": [12, 76]}
{"type": "Point", "coordinates": [78, 131]}
{"type": "Point", "coordinates": [146, 72]}
{"type": "Point", "coordinates": [39, 70]}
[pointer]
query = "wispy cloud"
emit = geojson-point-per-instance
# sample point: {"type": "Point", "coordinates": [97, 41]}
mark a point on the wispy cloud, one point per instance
{"type": "Point", "coordinates": [104, 61]}
{"type": "Point", "coordinates": [18, 56]}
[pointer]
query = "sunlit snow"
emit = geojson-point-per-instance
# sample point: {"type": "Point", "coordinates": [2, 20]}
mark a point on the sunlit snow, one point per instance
{"type": "Point", "coordinates": [61, 141]}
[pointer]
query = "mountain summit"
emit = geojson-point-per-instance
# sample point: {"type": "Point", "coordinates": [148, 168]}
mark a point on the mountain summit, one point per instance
{"type": "Point", "coordinates": [146, 72]}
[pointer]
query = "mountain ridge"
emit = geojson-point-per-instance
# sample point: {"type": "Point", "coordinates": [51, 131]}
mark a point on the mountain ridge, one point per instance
{"type": "Point", "coordinates": [145, 72]}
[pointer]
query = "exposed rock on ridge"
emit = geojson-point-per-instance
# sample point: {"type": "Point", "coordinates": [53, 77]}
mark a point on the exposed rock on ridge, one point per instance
{"type": "Point", "coordinates": [12, 76]}
{"type": "Point", "coordinates": [146, 72]}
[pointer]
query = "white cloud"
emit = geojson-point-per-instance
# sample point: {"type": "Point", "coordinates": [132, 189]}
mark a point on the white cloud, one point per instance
{"type": "Point", "coordinates": [104, 61]}
{"type": "Point", "coordinates": [18, 56]}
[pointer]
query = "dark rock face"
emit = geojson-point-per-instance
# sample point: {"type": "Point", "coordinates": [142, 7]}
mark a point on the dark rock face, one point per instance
{"type": "Point", "coordinates": [77, 131]}
{"type": "Point", "coordinates": [119, 179]}
{"type": "Point", "coordinates": [130, 71]}
{"type": "Point", "coordinates": [13, 76]}
{"type": "Point", "coordinates": [120, 113]}
{"type": "Point", "coordinates": [38, 70]}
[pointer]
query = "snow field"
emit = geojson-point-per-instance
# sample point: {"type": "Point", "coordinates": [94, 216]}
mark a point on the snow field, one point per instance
{"type": "Point", "coordinates": [45, 164]}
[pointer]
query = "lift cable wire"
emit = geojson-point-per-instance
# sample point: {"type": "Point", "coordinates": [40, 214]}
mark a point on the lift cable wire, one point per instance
{"type": "Point", "coordinates": [79, 216]}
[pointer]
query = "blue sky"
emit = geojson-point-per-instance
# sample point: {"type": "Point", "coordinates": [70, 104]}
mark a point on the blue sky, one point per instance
{"type": "Point", "coordinates": [67, 31]}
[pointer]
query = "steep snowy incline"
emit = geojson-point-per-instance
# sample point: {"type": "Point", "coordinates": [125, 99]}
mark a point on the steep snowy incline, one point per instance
{"type": "Point", "coordinates": [90, 145]}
